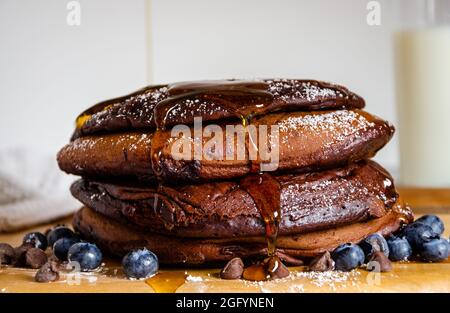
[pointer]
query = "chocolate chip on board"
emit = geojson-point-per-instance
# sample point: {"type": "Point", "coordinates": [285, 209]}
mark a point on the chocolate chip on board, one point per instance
{"type": "Point", "coordinates": [233, 269]}
{"type": "Point", "coordinates": [6, 254]}
{"type": "Point", "coordinates": [19, 254]}
{"type": "Point", "coordinates": [322, 263]}
{"type": "Point", "coordinates": [276, 268]}
{"type": "Point", "coordinates": [384, 264]}
{"type": "Point", "coordinates": [35, 258]}
{"type": "Point", "coordinates": [47, 273]}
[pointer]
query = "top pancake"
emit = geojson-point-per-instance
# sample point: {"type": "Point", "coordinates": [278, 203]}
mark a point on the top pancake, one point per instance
{"type": "Point", "coordinates": [167, 105]}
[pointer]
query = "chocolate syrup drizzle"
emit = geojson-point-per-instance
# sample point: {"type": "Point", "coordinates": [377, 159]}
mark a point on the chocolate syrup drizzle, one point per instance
{"type": "Point", "coordinates": [242, 99]}
{"type": "Point", "coordinates": [213, 100]}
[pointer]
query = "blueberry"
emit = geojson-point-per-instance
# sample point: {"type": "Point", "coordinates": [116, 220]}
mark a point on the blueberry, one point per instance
{"type": "Point", "coordinates": [347, 257]}
{"type": "Point", "coordinates": [140, 263]}
{"type": "Point", "coordinates": [86, 254]}
{"type": "Point", "coordinates": [57, 233]}
{"type": "Point", "coordinates": [399, 248]}
{"type": "Point", "coordinates": [433, 221]}
{"type": "Point", "coordinates": [373, 243]}
{"type": "Point", "coordinates": [417, 234]}
{"type": "Point", "coordinates": [435, 250]}
{"type": "Point", "coordinates": [38, 240]}
{"type": "Point", "coordinates": [62, 246]}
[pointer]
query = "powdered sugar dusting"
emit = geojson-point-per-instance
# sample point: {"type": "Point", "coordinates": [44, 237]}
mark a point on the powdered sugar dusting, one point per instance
{"type": "Point", "coordinates": [304, 281]}
{"type": "Point", "coordinates": [328, 198]}
{"type": "Point", "coordinates": [329, 278]}
{"type": "Point", "coordinates": [293, 89]}
{"type": "Point", "coordinates": [193, 107]}
{"type": "Point", "coordinates": [86, 144]}
{"type": "Point", "coordinates": [139, 107]}
{"type": "Point", "coordinates": [196, 279]}
{"type": "Point", "coordinates": [143, 104]}
{"type": "Point", "coordinates": [335, 125]}
{"type": "Point", "coordinates": [85, 149]}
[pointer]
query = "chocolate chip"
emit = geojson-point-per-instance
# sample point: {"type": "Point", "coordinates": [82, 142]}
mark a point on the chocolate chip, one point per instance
{"type": "Point", "coordinates": [19, 254]}
{"type": "Point", "coordinates": [48, 272]}
{"type": "Point", "coordinates": [233, 269]}
{"type": "Point", "coordinates": [35, 258]}
{"type": "Point", "coordinates": [270, 268]}
{"type": "Point", "coordinates": [322, 263]}
{"type": "Point", "coordinates": [276, 268]}
{"type": "Point", "coordinates": [6, 253]}
{"type": "Point", "coordinates": [384, 264]}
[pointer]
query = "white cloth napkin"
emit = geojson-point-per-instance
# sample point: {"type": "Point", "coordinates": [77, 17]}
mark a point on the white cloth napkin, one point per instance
{"type": "Point", "coordinates": [32, 189]}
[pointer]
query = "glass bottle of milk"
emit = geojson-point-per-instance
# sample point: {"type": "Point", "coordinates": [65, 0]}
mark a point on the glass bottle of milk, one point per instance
{"type": "Point", "coordinates": [422, 52]}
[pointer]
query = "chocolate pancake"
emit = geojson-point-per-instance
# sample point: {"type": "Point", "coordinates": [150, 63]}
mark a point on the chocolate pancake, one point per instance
{"type": "Point", "coordinates": [206, 204]}
{"type": "Point", "coordinates": [179, 103]}
{"type": "Point", "coordinates": [119, 238]}
{"type": "Point", "coordinates": [307, 141]}
{"type": "Point", "coordinates": [309, 202]}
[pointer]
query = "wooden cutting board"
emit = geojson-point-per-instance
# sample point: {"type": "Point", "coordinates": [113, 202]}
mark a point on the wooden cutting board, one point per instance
{"type": "Point", "coordinates": [405, 277]}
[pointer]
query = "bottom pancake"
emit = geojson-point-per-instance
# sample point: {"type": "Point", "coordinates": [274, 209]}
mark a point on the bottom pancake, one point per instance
{"type": "Point", "coordinates": [118, 238]}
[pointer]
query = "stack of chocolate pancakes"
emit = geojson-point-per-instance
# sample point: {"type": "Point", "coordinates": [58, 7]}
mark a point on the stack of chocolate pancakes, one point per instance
{"type": "Point", "coordinates": [324, 191]}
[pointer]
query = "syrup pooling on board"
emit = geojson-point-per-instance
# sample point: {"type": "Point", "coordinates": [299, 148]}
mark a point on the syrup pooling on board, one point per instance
{"type": "Point", "coordinates": [266, 193]}
{"type": "Point", "coordinates": [165, 282]}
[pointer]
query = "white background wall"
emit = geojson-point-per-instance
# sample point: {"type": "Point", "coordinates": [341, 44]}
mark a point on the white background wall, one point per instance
{"type": "Point", "coordinates": [49, 71]}
{"type": "Point", "coordinates": [321, 39]}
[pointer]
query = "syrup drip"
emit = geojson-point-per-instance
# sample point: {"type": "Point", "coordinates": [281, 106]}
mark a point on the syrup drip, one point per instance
{"type": "Point", "coordinates": [267, 269]}
{"type": "Point", "coordinates": [265, 192]}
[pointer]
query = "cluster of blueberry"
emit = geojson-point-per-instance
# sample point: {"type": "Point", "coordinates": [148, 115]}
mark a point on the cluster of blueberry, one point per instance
{"type": "Point", "coordinates": [420, 240]}
{"type": "Point", "coordinates": [68, 246]}
{"type": "Point", "coordinates": [137, 264]}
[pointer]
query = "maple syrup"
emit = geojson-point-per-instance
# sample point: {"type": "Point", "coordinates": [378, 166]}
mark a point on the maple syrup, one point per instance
{"type": "Point", "coordinates": [165, 282]}
{"type": "Point", "coordinates": [265, 191]}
